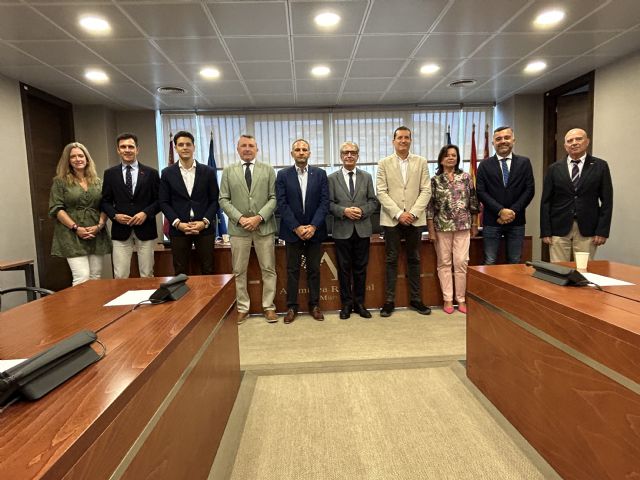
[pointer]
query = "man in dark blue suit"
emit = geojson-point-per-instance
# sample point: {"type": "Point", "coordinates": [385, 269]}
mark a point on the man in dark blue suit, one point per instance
{"type": "Point", "coordinates": [302, 192]}
{"type": "Point", "coordinates": [577, 201]}
{"type": "Point", "coordinates": [130, 200]}
{"type": "Point", "coordinates": [505, 186]}
{"type": "Point", "coordinates": [189, 200]}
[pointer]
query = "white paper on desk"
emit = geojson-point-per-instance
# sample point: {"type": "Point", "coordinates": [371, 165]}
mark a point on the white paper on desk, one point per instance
{"type": "Point", "coordinates": [603, 281]}
{"type": "Point", "coordinates": [7, 364]}
{"type": "Point", "coordinates": [132, 297]}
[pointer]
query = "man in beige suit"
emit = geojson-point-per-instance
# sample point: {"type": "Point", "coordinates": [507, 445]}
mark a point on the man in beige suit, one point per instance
{"type": "Point", "coordinates": [404, 190]}
{"type": "Point", "coordinates": [248, 197]}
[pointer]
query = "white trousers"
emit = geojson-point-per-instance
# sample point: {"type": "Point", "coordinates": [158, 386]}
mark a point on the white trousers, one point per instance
{"type": "Point", "coordinates": [85, 268]}
{"type": "Point", "coordinates": [121, 255]}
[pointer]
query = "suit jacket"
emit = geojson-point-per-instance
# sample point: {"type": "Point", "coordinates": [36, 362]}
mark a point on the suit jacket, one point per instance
{"type": "Point", "coordinates": [339, 198]}
{"type": "Point", "coordinates": [236, 200]}
{"type": "Point", "coordinates": [116, 199]}
{"type": "Point", "coordinates": [289, 197]}
{"type": "Point", "coordinates": [495, 196]}
{"type": "Point", "coordinates": [176, 203]}
{"type": "Point", "coordinates": [591, 204]}
{"type": "Point", "coordinates": [395, 196]}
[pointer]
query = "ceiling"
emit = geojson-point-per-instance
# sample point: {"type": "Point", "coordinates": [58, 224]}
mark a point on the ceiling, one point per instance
{"type": "Point", "coordinates": [265, 50]}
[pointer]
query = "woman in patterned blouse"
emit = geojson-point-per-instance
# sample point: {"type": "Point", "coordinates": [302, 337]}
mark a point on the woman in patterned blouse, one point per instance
{"type": "Point", "coordinates": [451, 218]}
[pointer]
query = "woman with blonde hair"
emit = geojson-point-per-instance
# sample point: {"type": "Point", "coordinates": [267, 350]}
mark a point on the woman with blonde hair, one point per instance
{"type": "Point", "coordinates": [79, 234]}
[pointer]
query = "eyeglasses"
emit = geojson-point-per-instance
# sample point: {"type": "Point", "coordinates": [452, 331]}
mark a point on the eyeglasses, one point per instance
{"type": "Point", "coordinates": [350, 152]}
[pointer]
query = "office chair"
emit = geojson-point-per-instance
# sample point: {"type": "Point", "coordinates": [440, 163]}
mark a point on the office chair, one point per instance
{"type": "Point", "coordinates": [43, 292]}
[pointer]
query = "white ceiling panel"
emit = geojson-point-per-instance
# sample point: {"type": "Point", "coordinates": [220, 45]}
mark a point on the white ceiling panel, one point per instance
{"type": "Point", "coordinates": [484, 66]}
{"type": "Point", "coordinates": [272, 100]}
{"type": "Point", "coordinates": [400, 97]}
{"type": "Point", "coordinates": [381, 46]}
{"type": "Point", "coordinates": [512, 45]}
{"type": "Point", "coordinates": [78, 71]}
{"type": "Point", "coordinates": [126, 52]}
{"type": "Point", "coordinates": [412, 16]}
{"type": "Point", "coordinates": [22, 23]}
{"type": "Point", "coordinates": [575, 10]}
{"type": "Point", "coordinates": [317, 99]}
{"type": "Point", "coordinates": [575, 43]}
{"type": "Point", "coordinates": [196, 50]}
{"type": "Point", "coordinates": [259, 48]}
{"type": "Point", "coordinates": [60, 52]}
{"type": "Point", "coordinates": [338, 69]}
{"type": "Point", "coordinates": [620, 45]}
{"type": "Point", "coordinates": [616, 15]}
{"type": "Point", "coordinates": [321, 49]}
{"type": "Point", "coordinates": [365, 85]}
{"type": "Point", "coordinates": [153, 74]}
{"type": "Point", "coordinates": [250, 18]}
{"type": "Point", "coordinates": [450, 46]}
{"type": "Point", "coordinates": [318, 86]}
{"type": "Point", "coordinates": [450, 95]}
{"type": "Point", "coordinates": [415, 84]}
{"type": "Point", "coordinates": [446, 66]}
{"type": "Point", "coordinates": [265, 70]}
{"type": "Point", "coordinates": [376, 68]}
{"type": "Point", "coordinates": [266, 87]}
{"type": "Point", "coordinates": [38, 75]}
{"type": "Point", "coordinates": [192, 71]}
{"type": "Point", "coordinates": [170, 20]}
{"type": "Point", "coordinates": [472, 16]}
{"type": "Point", "coordinates": [360, 98]}
{"type": "Point", "coordinates": [228, 101]}
{"type": "Point", "coordinates": [351, 12]}
{"type": "Point", "coordinates": [11, 56]}
{"type": "Point", "coordinates": [220, 88]}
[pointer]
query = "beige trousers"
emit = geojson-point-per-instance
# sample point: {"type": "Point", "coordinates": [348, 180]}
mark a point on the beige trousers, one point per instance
{"type": "Point", "coordinates": [562, 248]}
{"type": "Point", "coordinates": [266, 253]}
{"type": "Point", "coordinates": [123, 250]}
{"type": "Point", "coordinates": [452, 249]}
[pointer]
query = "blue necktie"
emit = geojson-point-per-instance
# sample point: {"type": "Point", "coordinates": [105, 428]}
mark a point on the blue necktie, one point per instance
{"type": "Point", "coordinates": [505, 171]}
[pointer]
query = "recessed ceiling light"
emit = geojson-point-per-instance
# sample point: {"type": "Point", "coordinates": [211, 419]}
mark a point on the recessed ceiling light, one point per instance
{"type": "Point", "coordinates": [549, 18]}
{"type": "Point", "coordinates": [95, 24]}
{"type": "Point", "coordinates": [327, 19]}
{"type": "Point", "coordinates": [210, 73]}
{"type": "Point", "coordinates": [535, 67]}
{"type": "Point", "coordinates": [97, 76]}
{"type": "Point", "coordinates": [429, 68]}
{"type": "Point", "coordinates": [320, 71]}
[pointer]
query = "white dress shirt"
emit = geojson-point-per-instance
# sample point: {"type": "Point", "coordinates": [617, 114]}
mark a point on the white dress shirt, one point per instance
{"type": "Point", "coordinates": [580, 164]}
{"type": "Point", "coordinates": [135, 168]}
{"type": "Point", "coordinates": [345, 174]}
{"type": "Point", "coordinates": [303, 175]}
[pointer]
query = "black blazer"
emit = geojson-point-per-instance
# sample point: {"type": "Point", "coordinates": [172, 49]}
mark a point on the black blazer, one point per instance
{"type": "Point", "coordinates": [176, 203]}
{"type": "Point", "coordinates": [495, 196]}
{"type": "Point", "coordinates": [591, 204]}
{"type": "Point", "coordinates": [116, 199]}
{"type": "Point", "coordinates": [289, 196]}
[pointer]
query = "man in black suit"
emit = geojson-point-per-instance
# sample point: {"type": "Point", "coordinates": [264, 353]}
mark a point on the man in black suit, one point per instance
{"type": "Point", "coordinates": [130, 200]}
{"type": "Point", "coordinates": [577, 201]}
{"type": "Point", "coordinates": [189, 200]}
{"type": "Point", "coordinates": [302, 193]}
{"type": "Point", "coordinates": [505, 186]}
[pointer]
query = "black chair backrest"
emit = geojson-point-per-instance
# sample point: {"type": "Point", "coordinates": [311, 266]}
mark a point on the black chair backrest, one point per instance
{"type": "Point", "coordinates": [43, 292]}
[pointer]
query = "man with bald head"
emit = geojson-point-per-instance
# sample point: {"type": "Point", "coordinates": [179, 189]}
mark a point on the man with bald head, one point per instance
{"type": "Point", "coordinates": [577, 201]}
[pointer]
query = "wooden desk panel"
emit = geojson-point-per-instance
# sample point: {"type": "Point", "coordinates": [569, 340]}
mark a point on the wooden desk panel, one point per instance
{"type": "Point", "coordinates": [562, 364]}
{"type": "Point", "coordinates": [329, 285]}
{"type": "Point", "coordinates": [175, 365]}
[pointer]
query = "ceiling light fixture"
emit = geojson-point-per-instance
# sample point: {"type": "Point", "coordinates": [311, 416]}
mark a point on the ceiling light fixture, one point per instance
{"type": "Point", "coordinates": [95, 24]}
{"type": "Point", "coordinates": [429, 68]}
{"type": "Point", "coordinates": [327, 19]}
{"type": "Point", "coordinates": [96, 76]}
{"type": "Point", "coordinates": [320, 71]}
{"type": "Point", "coordinates": [535, 67]}
{"type": "Point", "coordinates": [549, 18]}
{"type": "Point", "coordinates": [210, 73]}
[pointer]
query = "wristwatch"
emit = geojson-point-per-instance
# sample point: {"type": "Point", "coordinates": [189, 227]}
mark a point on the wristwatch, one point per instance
{"type": "Point", "coordinates": [74, 227]}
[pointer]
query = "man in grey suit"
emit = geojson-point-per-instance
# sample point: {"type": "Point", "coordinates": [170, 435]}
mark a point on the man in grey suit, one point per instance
{"type": "Point", "coordinates": [248, 197]}
{"type": "Point", "coordinates": [352, 200]}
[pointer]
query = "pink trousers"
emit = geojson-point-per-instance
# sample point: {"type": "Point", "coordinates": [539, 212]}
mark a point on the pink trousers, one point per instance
{"type": "Point", "coordinates": [452, 249]}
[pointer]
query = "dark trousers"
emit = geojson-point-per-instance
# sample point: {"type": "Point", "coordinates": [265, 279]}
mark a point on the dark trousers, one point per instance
{"type": "Point", "coordinates": [513, 241]}
{"type": "Point", "coordinates": [353, 257]}
{"type": "Point", "coordinates": [181, 250]}
{"type": "Point", "coordinates": [312, 253]}
{"type": "Point", "coordinates": [392, 237]}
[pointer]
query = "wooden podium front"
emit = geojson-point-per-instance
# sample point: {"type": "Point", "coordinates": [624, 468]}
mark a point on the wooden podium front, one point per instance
{"type": "Point", "coordinates": [562, 364]}
{"type": "Point", "coordinates": [329, 285]}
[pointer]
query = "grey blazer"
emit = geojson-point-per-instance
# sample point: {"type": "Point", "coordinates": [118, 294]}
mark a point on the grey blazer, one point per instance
{"type": "Point", "coordinates": [339, 199]}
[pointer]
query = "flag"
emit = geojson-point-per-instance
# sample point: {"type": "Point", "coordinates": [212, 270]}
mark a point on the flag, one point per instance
{"type": "Point", "coordinates": [486, 142]}
{"type": "Point", "coordinates": [165, 226]}
{"type": "Point", "coordinates": [447, 137]}
{"type": "Point", "coordinates": [221, 225]}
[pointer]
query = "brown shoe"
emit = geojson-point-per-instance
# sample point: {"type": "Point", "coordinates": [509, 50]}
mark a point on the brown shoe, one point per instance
{"type": "Point", "coordinates": [270, 316]}
{"type": "Point", "coordinates": [242, 317]}
{"type": "Point", "coordinates": [290, 316]}
{"type": "Point", "coordinates": [316, 313]}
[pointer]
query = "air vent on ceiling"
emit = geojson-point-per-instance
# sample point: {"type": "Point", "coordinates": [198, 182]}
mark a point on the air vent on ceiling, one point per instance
{"type": "Point", "coordinates": [465, 82]}
{"type": "Point", "coordinates": [170, 90]}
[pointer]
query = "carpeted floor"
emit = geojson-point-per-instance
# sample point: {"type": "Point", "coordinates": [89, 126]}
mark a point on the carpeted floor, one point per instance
{"type": "Point", "coordinates": [366, 399]}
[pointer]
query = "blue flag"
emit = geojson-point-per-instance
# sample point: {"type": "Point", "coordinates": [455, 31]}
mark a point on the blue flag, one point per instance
{"type": "Point", "coordinates": [221, 225]}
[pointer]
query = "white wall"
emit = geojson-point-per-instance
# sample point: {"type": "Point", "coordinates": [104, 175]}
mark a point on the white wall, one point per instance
{"type": "Point", "coordinates": [616, 126]}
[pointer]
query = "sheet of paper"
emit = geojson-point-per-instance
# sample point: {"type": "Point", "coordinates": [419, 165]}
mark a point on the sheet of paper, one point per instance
{"type": "Point", "coordinates": [7, 364]}
{"type": "Point", "coordinates": [603, 281]}
{"type": "Point", "coordinates": [132, 297]}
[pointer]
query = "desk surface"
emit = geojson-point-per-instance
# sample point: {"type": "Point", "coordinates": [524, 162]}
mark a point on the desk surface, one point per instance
{"type": "Point", "coordinates": [14, 264]}
{"type": "Point", "coordinates": [44, 439]}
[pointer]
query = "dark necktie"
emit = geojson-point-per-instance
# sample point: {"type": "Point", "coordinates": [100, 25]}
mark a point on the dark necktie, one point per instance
{"type": "Point", "coordinates": [505, 171]}
{"type": "Point", "coordinates": [129, 181]}
{"type": "Point", "coordinates": [351, 187]}
{"type": "Point", "coordinates": [575, 173]}
{"type": "Point", "coordinates": [247, 174]}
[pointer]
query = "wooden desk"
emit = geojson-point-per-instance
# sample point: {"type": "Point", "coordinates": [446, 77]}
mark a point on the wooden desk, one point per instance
{"type": "Point", "coordinates": [154, 407]}
{"type": "Point", "coordinates": [29, 275]}
{"type": "Point", "coordinates": [329, 285]}
{"type": "Point", "coordinates": [562, 364]}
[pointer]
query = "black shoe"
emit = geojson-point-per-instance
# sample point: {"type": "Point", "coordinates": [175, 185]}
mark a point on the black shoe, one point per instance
{"type": "Point", "coordinates": [420, 307]}
{"type": "Point", "coordinates": [345, 312]}
{"type": "Point", "coordinates": [360, 310]}
{"type": "Point", "coordinates": [387, 309]}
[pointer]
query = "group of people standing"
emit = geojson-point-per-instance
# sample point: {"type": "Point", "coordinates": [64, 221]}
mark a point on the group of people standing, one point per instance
{"type": "Point", "coordinates": [576, 212]}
